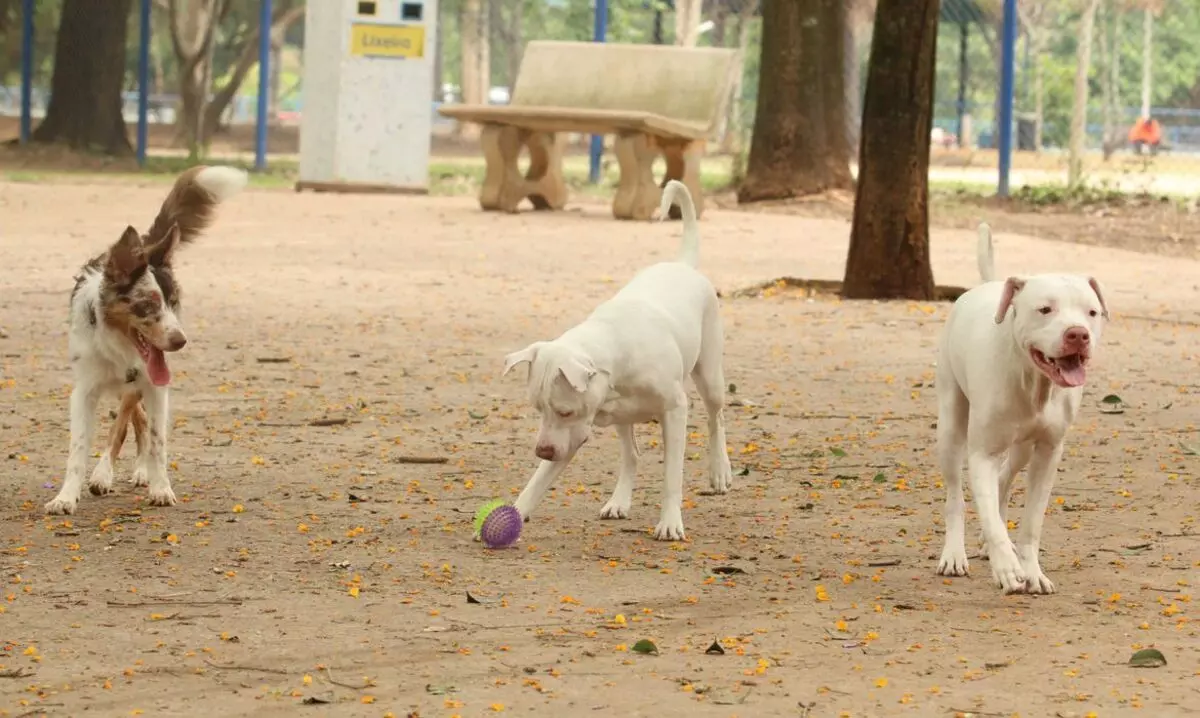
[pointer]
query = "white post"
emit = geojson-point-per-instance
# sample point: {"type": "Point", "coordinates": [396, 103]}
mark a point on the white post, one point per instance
{"type": "Point", "coordinates": [368, 79]}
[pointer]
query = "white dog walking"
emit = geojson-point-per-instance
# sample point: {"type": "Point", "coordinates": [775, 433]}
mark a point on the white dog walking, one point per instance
{"type": "Point", "coordinates": [627, 364]}
{"type": "Point", "coordinates": [1011, 367]}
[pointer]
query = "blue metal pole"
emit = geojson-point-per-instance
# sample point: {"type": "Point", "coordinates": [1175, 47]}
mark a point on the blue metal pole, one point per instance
{"type": "Point", "coordinates": [143, 80]}
{"type": "Point", "coordinates": [599, 30]}
{"type": "Point", "coordinates": [264, 83]}
{"type": "Point", "coordinates": [1008, 51]}
{"type": "Point", "coordinates": [26, 70]}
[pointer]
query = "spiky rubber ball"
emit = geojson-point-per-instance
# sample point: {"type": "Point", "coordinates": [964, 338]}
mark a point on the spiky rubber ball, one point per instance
{"type": "Point", "coordinates": [501, 527]}
{"type": "Point", "coordinates": [483, 512]}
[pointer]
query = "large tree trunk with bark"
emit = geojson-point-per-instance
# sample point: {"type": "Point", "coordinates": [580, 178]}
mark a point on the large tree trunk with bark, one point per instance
{"type": "Point", "coordinates": [89, 74]}
{"type": "Point", "coordinates": [1110, 55]}
{"type": "Point", "coordinates": [1039, 90]}
{"type": "Point", "coordinates": [799, 142]}
{"type": "Point", "coordinates": [889, 239]}
{"type": "Point", "coordinates": [1083, 65]}
{"type": "Point", "coordinates": [476, 64]}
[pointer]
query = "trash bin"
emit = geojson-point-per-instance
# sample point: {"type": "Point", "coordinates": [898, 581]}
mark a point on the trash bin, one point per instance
{"type": "Point", "coordinates": [1025, 133]}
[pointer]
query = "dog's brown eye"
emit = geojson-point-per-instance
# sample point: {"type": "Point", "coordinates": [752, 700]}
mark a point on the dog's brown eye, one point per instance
{"type": "Point", "coordinates": [1045, 310]}
{"type": "Point", "coordinates": [1093, 312]}
{"type": "Point", "coordinates": [565, 414]}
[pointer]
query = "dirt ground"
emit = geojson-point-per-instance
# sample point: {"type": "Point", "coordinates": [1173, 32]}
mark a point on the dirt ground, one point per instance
{"type": "Point", "coordinates": [310, 570]}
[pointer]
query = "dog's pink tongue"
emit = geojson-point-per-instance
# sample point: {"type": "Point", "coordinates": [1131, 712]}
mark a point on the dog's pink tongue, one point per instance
{"type": "Point", "coordinates": [156, 367]}
{"type": "Point", "coordinates": [1074, 374]}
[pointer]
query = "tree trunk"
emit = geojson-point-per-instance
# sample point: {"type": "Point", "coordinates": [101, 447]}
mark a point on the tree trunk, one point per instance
{"type": "Point", "coordinates": [889, 238]}
{"type": "Point", "coordinates": [1039, 91]}
{"type": "Point", "coordinates": [1083, 64]}
{"type": "Point", "coordinates": [1106, 98]}
{"type": "Point", "coordinates": [473, 36]}
{"type": "Point", "coordinates": [89, 74]}
{"type": "Point", "coordinates": [192, 35]}
{"type": "Point", "coordinates": [734, 126]}
{"type": "Point", "coordinates": [1147, 59]}
{"type": "Point", "coordinates": [799, 141]}
{"type": "Point", "coordinates": [282, 19]}
{"type": "Point", "coordinates": [687, 22]}
{"type": "Point", "coordinates": [1110, 47]}
{"type": "Point", "coordinates": [852, 85]}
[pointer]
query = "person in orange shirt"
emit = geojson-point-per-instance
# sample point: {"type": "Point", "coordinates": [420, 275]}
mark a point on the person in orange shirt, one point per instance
{"type": "Point", "coordinates": [1146, 132]}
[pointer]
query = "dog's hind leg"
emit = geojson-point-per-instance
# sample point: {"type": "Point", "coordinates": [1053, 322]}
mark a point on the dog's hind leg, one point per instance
{"type": "Point", "coordinates": [101, 480]}
{"type": "Point", "coordinates": [674, 431]}
{"type": "Point", "coordinates": [141, 471]}
{"type": "Point", "coordinates": [622, 498]}
{"type": "Point", "coordinates": [953, 411]}
{"type": "Point", "coordinates": [709, 377]}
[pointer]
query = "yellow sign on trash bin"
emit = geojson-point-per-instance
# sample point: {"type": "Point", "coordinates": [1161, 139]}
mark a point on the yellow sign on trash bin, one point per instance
{"type": "Point", "coordinates": [371, 40]}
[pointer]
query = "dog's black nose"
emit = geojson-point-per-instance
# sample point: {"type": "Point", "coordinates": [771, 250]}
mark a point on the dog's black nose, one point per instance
{"type": "Point", "coordinates": [175, 342]}
{"type": "Point", "coordinates": [544, 452]}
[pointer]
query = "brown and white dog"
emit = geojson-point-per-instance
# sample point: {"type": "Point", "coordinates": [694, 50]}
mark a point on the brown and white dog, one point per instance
{"type": "Point", "coordinates": [125, 317]}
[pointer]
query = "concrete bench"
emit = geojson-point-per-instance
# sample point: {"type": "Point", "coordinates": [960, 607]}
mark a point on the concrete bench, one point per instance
{"type": "Point", "coordinates": [657, 100]}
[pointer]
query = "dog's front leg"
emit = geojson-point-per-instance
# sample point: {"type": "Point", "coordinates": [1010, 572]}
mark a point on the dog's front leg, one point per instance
{"type": "Point", "coordinates": [83, 426]}
{"type": "Point", "coordinates": [622, 497]}
{"type": "Point", "coordinates": [545, 476]}
{"type": "Point", "coordinates": [674, 429]}
{"type": "Point", "coordinates": [984, 472]}
{"type": "Point", "coordinates": [1029, 537]}
{"type": "Point", "coordinates": [159, 413]}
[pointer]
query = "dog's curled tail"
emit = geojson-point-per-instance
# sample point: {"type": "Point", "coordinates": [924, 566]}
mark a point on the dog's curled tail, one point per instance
{"type": "Point", "coordinates": [984, 255]}
{"type": "Point", "coordinates": [677, 193]}
{"type": "Point", "coordinates": [193, 200]}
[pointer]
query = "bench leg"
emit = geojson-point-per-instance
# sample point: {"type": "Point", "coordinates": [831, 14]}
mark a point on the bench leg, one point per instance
{"type": "Point", "coordinates": [545, 185]}
{"type": "Point", "coordinates": [503, 184]}
{"type": "Point", "coordinates": [637, 194]}
{"type": "Point", "coordinates": [501, 148]}
{"type": "Point", "coordinates": [683, 164]}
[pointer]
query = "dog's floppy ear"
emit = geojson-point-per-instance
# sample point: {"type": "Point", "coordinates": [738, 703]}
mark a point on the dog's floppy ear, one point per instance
{"type": "Point", "coordinates": [525, 355]}
{"type": "Point", "coordinates": [160, 254]}
{"type": "Point", "coordinates": [1099, 295]}
{"type": "Point", "coordinates": [1012, 285]}
{"type": "Point", "coordinates": [125, 257]}
{"type": "Point", "coordinates": [577, 373]}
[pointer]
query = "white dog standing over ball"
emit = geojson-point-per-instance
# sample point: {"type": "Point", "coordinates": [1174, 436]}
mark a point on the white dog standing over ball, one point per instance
{"type": "Point", "coordinates": [627, 364]}
{"type": "Point", "coordinates": [1011, 367]}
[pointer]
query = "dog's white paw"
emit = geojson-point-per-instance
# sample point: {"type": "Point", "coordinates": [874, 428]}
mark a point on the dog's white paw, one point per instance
{"type": "Point", "coordinates": [163, 496]}
{"type": "Point", "coordinates": [140, 477]}
{"type": "Point", "coordinates": [101, 480]}
{"type": "Point", "coordinates": [61, 506]}
{"type": "Point", "coordinates": [670, 526]}
{"type": "Point", "coordinates": [953, 562]}
{"type": "Point", "coordinates": [1035, 580]}
{"type": "Point", "coordinates": [614, 509]}
{"type": "Point", "coordinates": [721, 478]}
{"type": "Point", "coordinates": [1007, 571]}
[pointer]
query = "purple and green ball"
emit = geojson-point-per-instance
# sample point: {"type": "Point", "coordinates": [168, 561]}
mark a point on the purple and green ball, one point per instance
{"type": "Point", "coordinates": [501, 527]}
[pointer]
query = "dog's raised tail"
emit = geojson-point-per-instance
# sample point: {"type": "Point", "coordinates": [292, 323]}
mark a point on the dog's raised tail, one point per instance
{"type": "Point", "coordinates": [192, 202]}
{"type": "Point", "coordinates": [676, 192]}
{"type": "Point", "coordinates": [984, 255]}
